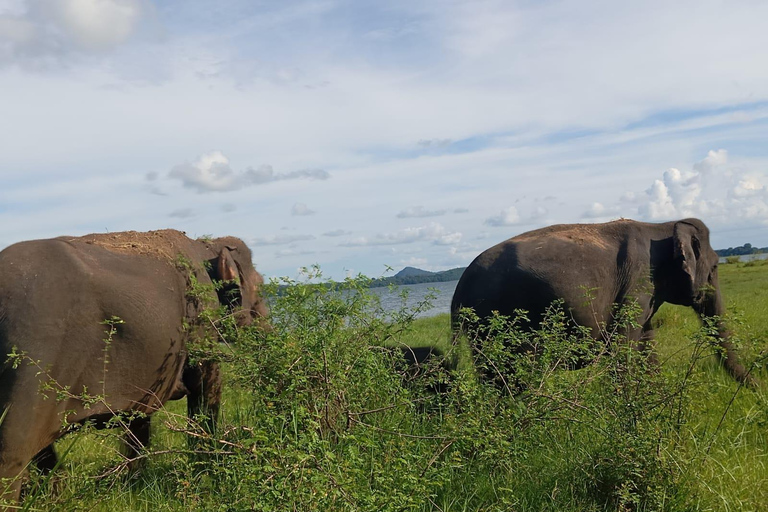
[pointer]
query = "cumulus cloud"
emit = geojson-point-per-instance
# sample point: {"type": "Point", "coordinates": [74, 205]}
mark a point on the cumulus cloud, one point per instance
{"type": "Point", "coordinates": [677, 194]}
{"type": "Point", "coordinates": [660, 204]}
{"type": "Point", "coordinates": [710, 190]}
{"type": "Point", "coordinates": [281, 239]}
{"type": "Point", "coordinates": [433, 232]}
{"type": "Point", "coordinates": [748, 186]}
{"type": "Point", "coordinates": [301, 209]}
{"type": "Point", "coordinates": [97, 24]}
{"type": "Point", "coordinates": [507, 217]}
{"type": "Point", "coordinates": [419, 211]}
{"type": "Point", "coordinates": [56, 28]}
{"type": "Point", "coordinates": [713, 160]}
{"type": "Point", "coordinates": [211, 172]}
{"type": "Point", "coordinates": [598, 210]}
{"type": "Point", "coordinates": [337, 232]}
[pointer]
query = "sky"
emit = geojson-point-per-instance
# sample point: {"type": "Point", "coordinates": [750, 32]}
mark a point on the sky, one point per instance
{"type": "Point", "coordinates": [365, 135]}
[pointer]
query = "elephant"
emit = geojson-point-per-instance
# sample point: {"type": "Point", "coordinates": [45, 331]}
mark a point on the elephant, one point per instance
{"type": "Point", "coordinates": [618, 262]}
{"type": "Point", "coordinates": [421, 362]}
{"type": "Point", "coordinates": [112, 316]}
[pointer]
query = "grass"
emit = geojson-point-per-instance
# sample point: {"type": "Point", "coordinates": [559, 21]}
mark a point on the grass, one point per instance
{"type": "Point", "coordinates": [285, 404]}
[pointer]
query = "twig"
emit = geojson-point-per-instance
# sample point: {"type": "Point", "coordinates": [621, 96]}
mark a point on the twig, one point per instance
{"type": "Point", "coordinates": [436, 455]}
{"type": "Point", "coordinates": [120, 467]}
{"type": "Point", "coordinates": [379, 429]}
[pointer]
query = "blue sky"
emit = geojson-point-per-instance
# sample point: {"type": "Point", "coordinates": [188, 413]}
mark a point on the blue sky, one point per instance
{"type": "Point", "coordinates": [359, 134]}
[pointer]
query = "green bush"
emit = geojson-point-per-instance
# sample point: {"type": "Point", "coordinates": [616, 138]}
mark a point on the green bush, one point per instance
{"type": "Point", "coordinates": [316, 416]}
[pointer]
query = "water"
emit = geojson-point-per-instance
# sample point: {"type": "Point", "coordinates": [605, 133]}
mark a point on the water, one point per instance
{"type": "Point", "coordinates": [391, 301]}
{"type": "Point", "coordinates": [750, 257]}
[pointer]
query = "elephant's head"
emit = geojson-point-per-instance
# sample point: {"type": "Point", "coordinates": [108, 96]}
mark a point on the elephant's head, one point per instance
{"type": "Point", "coordinates": [242, 288]}
{"type": "Point", "coordinates": [699, 287]}
{"type": "Point", "coordinates": [697, 262]}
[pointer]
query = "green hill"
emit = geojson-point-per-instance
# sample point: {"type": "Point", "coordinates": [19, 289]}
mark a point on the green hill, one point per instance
{"type": "Point", "coordinates": [411, 275]}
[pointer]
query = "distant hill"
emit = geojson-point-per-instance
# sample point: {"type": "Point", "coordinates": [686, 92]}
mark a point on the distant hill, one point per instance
{"type": "Point", "coordinates": [411, 275]}
{"type": "Point", "coordinates": [412, 272]}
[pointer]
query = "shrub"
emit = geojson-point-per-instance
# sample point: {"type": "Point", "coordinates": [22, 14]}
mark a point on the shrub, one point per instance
{"type": "Point", "coordinates": [317, 417]}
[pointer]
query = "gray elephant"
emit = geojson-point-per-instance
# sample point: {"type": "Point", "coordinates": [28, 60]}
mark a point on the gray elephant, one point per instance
{"type": "Point", "coordinates": [60, 297]}
{"type": "Point", "coordinates": [618, 262]}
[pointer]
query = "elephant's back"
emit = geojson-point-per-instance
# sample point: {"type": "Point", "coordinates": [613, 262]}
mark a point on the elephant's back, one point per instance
{"type": "Point", "coordinates": [61, 298]}
{"type": "Point", "coordinates": [497, 281]}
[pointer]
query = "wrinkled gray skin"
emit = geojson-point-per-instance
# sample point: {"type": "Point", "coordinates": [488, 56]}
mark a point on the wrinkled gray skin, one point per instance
{"type": "Point", "coordinates": [54, 297]}
{"type": "Point", "coordinates": [618, 262]}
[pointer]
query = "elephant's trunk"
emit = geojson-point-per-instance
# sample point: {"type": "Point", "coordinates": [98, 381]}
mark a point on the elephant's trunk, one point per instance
{"type": "Point", "coordinates": [712, 306]}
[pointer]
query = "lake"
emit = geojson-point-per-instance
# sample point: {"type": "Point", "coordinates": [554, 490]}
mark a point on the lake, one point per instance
{"type": "Point", "coordinates": [391, 301]}
{"type": "Point", "coordinates": [750, 257]}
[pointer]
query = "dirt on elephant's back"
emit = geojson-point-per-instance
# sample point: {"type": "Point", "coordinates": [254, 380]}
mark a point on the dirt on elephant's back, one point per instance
{"type": "Point", "coordinates": [589, 234]}
{"type": "Point", "coordinates": [165, 243]}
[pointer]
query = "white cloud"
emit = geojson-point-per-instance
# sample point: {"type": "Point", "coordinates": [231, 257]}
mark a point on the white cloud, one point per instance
{"type": "Point", "coordinates": [749, 186]}
{"type": "Point", "coordinates": [448, 239]}
{"type": "Point", "coordinates": [281, 239]}
{"type": "Point", "coordinates": [301, 209]}
{"type": "Point", "coordinates": [677, 194]}
{"type": "Point", "coordinates": [337, 232]}
{"type": "Point", "coordinates": [711, 191]}
{"type": "Point", "coordinates": [433, 232]}
{"type": "Point", "coordinates": [292, 251]}
{"type": "Point", "coordinates": [44, 33]}
{"type": "Point", "coordinates": [472, 76]}
{"type": "Point", "coordinates": [419, 211]}
{"type": "Point", "coordinates": [211, 172]}
{"type": "Point", "coordinates": [713, 160]}
{"type": "Point", "coordinates": [599, 211]}
{"type": "Point", "coordinates": [507, 217]}
{"type": "Point", "coordinates": [660, 205]}
{"type": "Point", "coordinates": [414, 261]}
{"type": "Point", "coordinates": [96, 24]}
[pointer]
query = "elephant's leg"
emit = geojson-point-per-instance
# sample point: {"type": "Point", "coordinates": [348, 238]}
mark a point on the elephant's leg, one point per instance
{"type": "Point", "coordinates": [19, 444]}
{"type": "Point", "coordinates": [46, 460]}
{"type": "Point", "coordinates": [136, 439]}
{"type": "Point", "coordinates": [645, 344]}
{"type": "Point", "coordinates": [203, 381]}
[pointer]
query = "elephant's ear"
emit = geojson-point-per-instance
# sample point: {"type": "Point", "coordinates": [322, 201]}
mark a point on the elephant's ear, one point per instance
{"type": "Point", "coordinates": [228, 272]}
{"type": "Point", "coordinates": [687, 248]}
{"type": "Point", "coordinates": [226, 266]}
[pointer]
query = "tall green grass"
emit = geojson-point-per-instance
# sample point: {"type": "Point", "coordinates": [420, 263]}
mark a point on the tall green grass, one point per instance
{"type": "Point", "coordinates": [317, 416]}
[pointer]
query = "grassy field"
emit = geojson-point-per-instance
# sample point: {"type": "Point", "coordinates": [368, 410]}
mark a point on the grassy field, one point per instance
{"type": "Point", "coordinates": [316, 417]}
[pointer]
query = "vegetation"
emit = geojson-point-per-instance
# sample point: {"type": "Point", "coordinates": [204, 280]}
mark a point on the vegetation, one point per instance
{"type": "Point", "coordinates": [741, 250]}
{"type": "Point", "coordinates": [320, 415]}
